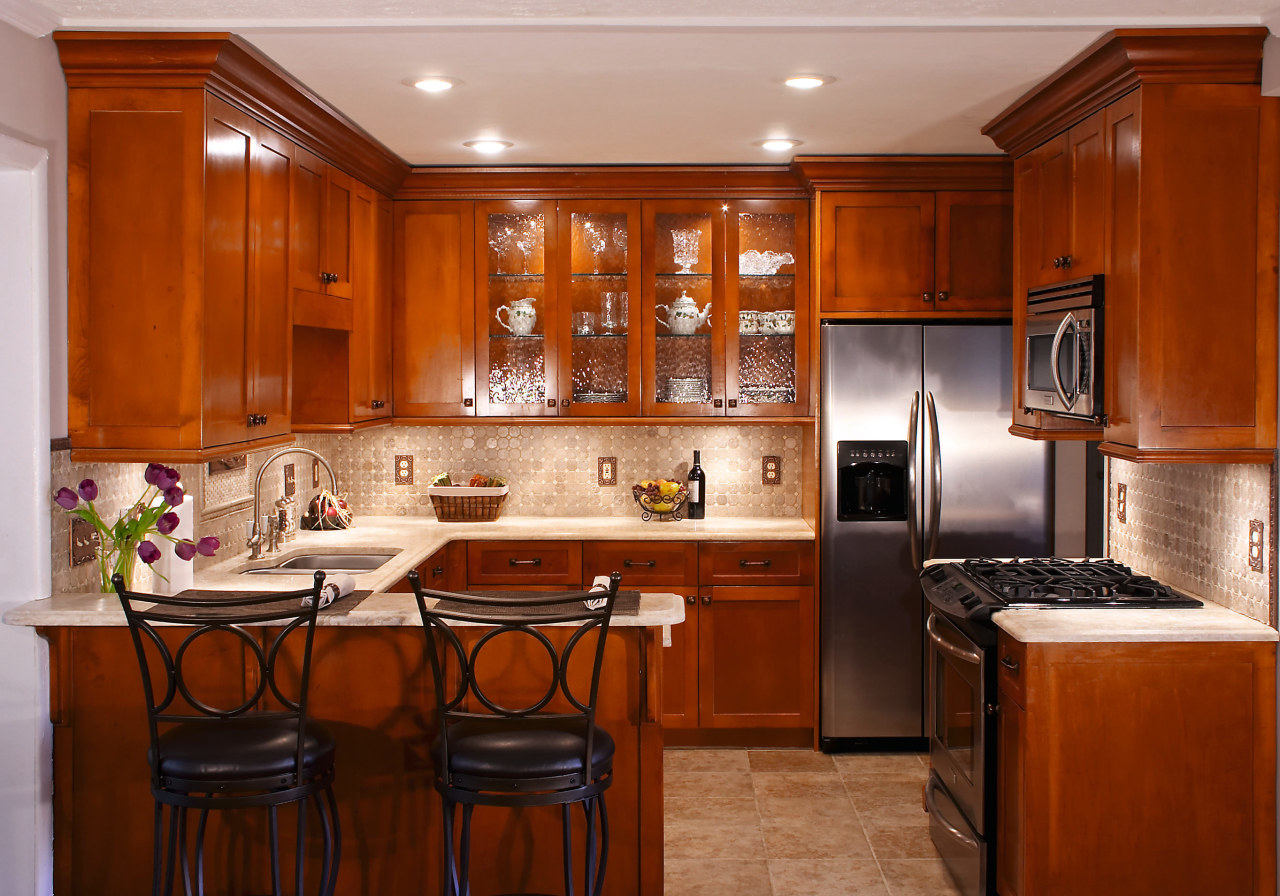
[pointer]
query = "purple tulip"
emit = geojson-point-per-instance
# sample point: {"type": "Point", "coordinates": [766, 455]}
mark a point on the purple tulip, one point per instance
{"type": "Point", "coordinates": [173, 496]}
{"type": "Point", "coordinates": [167, 479]}
{"type": "Point", "coordinates": [66, 498]}
{"type": "Point", "coordinates": [185, 550]}
{"type": "Point", "coordinates": [208, 545]}
{"type": "Point", "coordinates": [152, 475]}
{"type": "Point", "coordinates": [88, 489]}
{"type": "Point", "coordinates": [167, 523]}
{"type": "Point", "coordinates": [148, 553]}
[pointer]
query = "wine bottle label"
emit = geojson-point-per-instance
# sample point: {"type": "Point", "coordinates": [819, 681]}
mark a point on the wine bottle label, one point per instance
{"type": "Point", "coordinates": [695, 491]}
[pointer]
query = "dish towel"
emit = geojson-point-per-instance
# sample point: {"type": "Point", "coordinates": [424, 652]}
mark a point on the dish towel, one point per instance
{"type": "Point", "coordinates": [335, 586]}
{"type": "Point", "coordinates": [601, 583]}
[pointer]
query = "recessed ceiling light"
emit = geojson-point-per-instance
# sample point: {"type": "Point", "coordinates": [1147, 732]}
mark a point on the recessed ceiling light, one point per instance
{"type": "Point", "coordinates": [807, 82]}
{"type": "Point", "coordinates": [435, 84]}
{"type": "Point", "coordinates": [779, 144]}
{"type": "Point", "coordinates": [488, 147]}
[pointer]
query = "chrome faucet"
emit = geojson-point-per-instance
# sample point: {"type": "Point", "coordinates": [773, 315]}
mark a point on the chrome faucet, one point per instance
{"type": "Point", "coordinates": [256, 536]}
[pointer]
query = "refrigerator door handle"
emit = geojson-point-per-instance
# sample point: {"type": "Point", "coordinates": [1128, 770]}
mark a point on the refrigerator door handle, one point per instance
{"type": "Point", "coordinates": [935, 478]}
{"type": "Point", "coordinates": [913, 524]}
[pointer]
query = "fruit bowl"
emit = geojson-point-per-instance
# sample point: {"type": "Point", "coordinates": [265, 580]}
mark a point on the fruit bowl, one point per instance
{"type": "Point", "coordinates": [660, 498]}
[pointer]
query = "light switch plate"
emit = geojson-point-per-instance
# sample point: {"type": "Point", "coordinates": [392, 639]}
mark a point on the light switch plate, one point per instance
{"type": "Point", "coordinates": [607, 471]}
{"type": "Point", "coordinates": [404, 469]}
{"type": "Point", "coordinates": [1256, 545]}
{"type": "Point", "coordinates": [771, 470]}
{"type": "Point", "coordinates": [1122, 502]}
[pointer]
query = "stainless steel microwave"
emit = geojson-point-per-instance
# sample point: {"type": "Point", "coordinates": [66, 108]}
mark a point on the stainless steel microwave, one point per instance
{"type": "Point", "coordinates": [1063, 374]}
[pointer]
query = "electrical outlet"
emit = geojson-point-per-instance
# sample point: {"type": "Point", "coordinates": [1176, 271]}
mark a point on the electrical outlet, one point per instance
{"type": "Point", "coordinates": [1122, 502]}
{"type": "Point", "coordinates": [771, 470]}
{"type": "Point", "coordinates": [404, 469]}
{"type": "Point", "coordinates": [607, 471]}
{"type": "Point", "coordinates": [1256, 530]}
{"type": "Point", "coordinates": [84, 541]}
{"type": "Point", "coordinates": [290, 481]}
{"type": "Point", "coordinates": [315, 474]}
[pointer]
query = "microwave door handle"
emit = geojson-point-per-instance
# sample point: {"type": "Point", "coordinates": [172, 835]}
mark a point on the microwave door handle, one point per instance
{"type": "Point", "coordinates": [935, 478]}
{"type": "Point", "coordinates": [1067, 322]}
{"type": "Point", "coordinates": [913, 527]}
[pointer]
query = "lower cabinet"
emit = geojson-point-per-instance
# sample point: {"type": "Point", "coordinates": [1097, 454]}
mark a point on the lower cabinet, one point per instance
{"type": "Point", "coordinates": [1136, 768]}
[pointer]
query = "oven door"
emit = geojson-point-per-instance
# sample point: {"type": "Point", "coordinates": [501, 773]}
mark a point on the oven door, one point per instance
{"type": "Point", "coordinates": [1061, 363]}
{"type": "Point", "coordinates": [961, 745]}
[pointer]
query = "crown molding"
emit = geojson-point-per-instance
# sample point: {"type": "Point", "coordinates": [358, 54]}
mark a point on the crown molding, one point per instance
{"type": "Point", "coordinates": [28, 17]}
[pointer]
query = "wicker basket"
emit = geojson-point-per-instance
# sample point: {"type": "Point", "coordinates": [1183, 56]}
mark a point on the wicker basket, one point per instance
{"type": "Point", "coordinates": [460, 503]}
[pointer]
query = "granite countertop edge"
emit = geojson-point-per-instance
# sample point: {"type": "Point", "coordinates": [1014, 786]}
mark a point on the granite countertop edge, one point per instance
{"type": "Point", "coordinates": [412, 540]}
{"type": "Point", "coordinates": [1079, 625]}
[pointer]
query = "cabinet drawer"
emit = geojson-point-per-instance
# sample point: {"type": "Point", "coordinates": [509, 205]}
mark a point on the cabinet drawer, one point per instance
{"type": "Point", "coordinates": [524, 563]}
{"type": "Point", "coordinates": [1011, 668]}
{"type": "Point", "coordinates": [755, 563]}
{"type": "Point", "coordinates": [647, 563]}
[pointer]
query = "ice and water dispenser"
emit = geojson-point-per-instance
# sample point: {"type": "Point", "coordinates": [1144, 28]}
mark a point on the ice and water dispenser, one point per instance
{"type": "Point", "coordinates": [871, 481]}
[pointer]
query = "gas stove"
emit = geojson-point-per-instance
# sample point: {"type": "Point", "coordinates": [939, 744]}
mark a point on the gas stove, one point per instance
{"type": "Point", "coordinates": [973, 589]}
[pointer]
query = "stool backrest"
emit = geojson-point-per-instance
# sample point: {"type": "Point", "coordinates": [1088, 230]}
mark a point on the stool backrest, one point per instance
{"type": "Point", "coordinates": [260, 623]}
{"type": "Point", "coordinates": [520, 614]}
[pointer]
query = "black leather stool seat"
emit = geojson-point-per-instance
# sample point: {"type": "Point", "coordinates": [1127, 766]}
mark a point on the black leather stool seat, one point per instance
{"type": "Point", "coordinates": [501, 749]}
{"type": "Point", "coordinates": [243, 749]}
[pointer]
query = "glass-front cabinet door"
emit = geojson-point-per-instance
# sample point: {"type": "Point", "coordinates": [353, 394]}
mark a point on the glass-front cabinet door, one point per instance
{"type": "Point", "coordinates": [683, 308]}
{"type": "Point", "coordinates": [599, 285]}
{"type": "Point", "coordinates": [767, 308]}
{"type": "Point", "coordinates": [516, 314]}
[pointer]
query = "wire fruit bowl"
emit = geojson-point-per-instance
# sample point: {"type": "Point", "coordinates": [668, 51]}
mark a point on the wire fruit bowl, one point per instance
{"type": "Point", "coordinates": [663, 508]}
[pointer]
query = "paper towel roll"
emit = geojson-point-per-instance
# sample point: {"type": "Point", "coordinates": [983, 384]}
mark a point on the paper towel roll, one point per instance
{"type": "Point", "coordinates": [180, 573]}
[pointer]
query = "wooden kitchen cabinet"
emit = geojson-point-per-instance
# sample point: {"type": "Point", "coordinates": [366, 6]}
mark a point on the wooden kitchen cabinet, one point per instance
{"type": "Point", "coordinates": [323, 236]}
{"type": "Point", "coordinates": [916, 252]}
{"type": "Point", "coordinates": [1136, 768]}
{"type": "Point", "coordinates": [556, 564]}
{"type": "Point", "coordinates": [1190, 207]}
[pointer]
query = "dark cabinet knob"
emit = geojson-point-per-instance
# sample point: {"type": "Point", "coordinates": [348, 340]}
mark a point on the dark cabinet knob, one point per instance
{"type": "Point", "coordinates": [691, 600]}
{"type": "Point", "coordinates": [468, 402]}
{"type": "Point", "coordinates": [437, 571]}
{"type": "Point", "coordinates": [718, 403]}
{"type": "Point", "coordinates": [378, 404]}
{"type": "Point", "coordinates": [564, 402]}
{"type": "Point", "coordinates": [327, 277]}
{"type": "Point", "coordinates": [1066, 261]}
{"type": "Point", "coordinates": [706, 598]}
{"type": "Point", "coordinates": [927, 297]}
{"type": "Point", "coordinates": [733, 402]}
{"type": "Point", "coordinates": [551, 402]}
{"type": "Point", "coordinates": [943, 296]}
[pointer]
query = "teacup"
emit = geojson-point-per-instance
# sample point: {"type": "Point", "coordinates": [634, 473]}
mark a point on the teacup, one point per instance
{"type": "Point", "coordinates": [782, 323]}
{"type": "Point", "coordinates": [521, 316]}
{"type": "Point", "coordinates": [749, 322]}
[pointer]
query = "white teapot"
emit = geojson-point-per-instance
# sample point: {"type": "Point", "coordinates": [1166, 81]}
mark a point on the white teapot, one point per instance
{"type": "Point", "coordinates": [521, 316]}
{"type": "Point", "coordinates": [683, 317]}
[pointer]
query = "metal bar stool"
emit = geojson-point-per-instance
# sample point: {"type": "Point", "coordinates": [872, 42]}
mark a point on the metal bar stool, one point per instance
{"type": "Point", "coordinates": [257, 751]}
{"type": "Point", "coordinates": [488, 754]}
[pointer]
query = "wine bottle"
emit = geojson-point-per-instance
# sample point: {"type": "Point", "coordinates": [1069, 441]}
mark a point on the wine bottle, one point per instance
{"type": "Point", "coordinates": [697, 489]}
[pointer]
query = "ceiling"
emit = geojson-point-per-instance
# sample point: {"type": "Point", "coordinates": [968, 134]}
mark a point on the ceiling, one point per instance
{"type": "Point", "coordinates": [664, 81]}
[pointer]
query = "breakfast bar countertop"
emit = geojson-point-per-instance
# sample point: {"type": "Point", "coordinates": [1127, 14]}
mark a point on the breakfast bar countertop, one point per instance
{"type": "Point", "coordinates": [412, 540]}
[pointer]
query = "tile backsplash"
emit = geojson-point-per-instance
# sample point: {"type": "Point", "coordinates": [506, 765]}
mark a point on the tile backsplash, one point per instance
{"type": "Point", "coordinates": [1188, 525]}
{"type": "Point", "coordinates": [552, 471]}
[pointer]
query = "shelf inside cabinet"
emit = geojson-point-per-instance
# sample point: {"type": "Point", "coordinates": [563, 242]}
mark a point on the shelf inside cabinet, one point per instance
{"type": "Point", "coordinates": [599, 335]}
{"type": "Point", "coordinates": [516, 336]}
{"type": "Point", "coordinates": [683, 335]}
{"type": "Point", "coordinates": [501, 276]}
{"type": "Point", "coordinates": [679, 275]}
{"type": "Point", "coordinates": [599, 275]}
{"type": "Point", "coordinates": [787, 277]}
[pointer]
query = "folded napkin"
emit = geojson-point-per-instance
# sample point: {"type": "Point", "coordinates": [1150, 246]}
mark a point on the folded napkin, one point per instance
{"type": "Point", "coordinates": [601, 583]}
{"type": "Point", "coordinates": [335, 586]}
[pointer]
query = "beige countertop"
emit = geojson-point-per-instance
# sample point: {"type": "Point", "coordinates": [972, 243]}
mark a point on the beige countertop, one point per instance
{"type": "Point", "coordinates": [1212, 622]}
{"type": "Point", "coordinates": [412, 540]}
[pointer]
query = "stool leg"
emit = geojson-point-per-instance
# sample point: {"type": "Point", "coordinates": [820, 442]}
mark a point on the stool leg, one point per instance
{"type": "Point", "coordinates": [465, 851]}
{"type": "Point", "coordinates": [157, 854]}
{"type": "Point", "coordinates": [589, 809]}
{"type": "Point", "coordinates": [604, 845]}
{"type": "Point", "coordinates": [273, 824]}
{"type": "Point", "coordinates": [328, 810]}
{"type": "Point", "coordinates": [567, 836]}
{"type": "Point", "coordinates": [450, 860]}
{"type": "Point", "coordinates": [200, 829]}
{"type": "Point", "coordinates": [300, 851]}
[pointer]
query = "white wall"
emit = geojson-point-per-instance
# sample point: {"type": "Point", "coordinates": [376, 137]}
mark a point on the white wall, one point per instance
{"type": "Point", "coordinates": [33, 405]}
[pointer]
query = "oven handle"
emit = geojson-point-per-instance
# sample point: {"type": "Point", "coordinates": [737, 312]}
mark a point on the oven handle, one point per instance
{"type": "Point", "coordinates": [1068, 403]}
{"type": "Point", "coordinates": [913, 526]}
{"type": "Point", "coordinates": [931, 803]}
{"type": "Point", "coordinates": [935, 479]}
{"type": "Point", "coordinates": [949, 647]}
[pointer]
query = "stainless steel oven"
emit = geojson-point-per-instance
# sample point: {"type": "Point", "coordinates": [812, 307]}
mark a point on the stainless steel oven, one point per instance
{"type": "Point", "coordinates": [961, 731]}
{"type": "Point", "coordinates": [1063, 361]}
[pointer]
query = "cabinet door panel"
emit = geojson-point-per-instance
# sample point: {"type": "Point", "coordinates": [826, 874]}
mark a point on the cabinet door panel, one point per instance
{"type": "Point", "coordinates": [877, 251]}
{"type": "Point", "coordinates": [737, 628]}
{"type": "Point", "coordinates": [271, 306]}
{"type": "Point", "coordinates": [680, 667]}
{"type": "Point", "coordinates": [524, 563]}
{"type": "Point", "coordinates": [306, 239]}
{"type": "Point", "coordinates": [1088, 197]}
{"type": "Point", "coordinates": [339, 252]}
{"type": "Point", "coordinates": [364, 220]}
{"type": "Point", "coordinates": [642, 563]}
{"type": "Point", "coordinates": [1051, 219]}
{"type": "Point", "coordinates": [755, 563]}
{"type": "Point", "coordinates": [1011, 794]}
{"type": "Point", "coordinates": [380, 314]}
{"type": "Point", "coordinates": [435, 301]}
{"type": "Point", "coordinates": [227, 275]}
{"type": "Point", "coordinates": [975, 251]}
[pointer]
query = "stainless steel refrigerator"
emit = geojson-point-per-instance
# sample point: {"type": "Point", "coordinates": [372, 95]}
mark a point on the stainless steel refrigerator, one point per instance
{"type": "Point", "coordinates": [917, 463]}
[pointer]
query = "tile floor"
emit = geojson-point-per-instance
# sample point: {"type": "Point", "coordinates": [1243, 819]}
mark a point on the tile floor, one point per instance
{"type": "Point", "coordinates": [798, 823]}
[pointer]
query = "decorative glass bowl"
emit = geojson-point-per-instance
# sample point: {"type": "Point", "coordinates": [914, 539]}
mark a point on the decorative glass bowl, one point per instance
{"type": "Point", "coordinates": [662, 507]}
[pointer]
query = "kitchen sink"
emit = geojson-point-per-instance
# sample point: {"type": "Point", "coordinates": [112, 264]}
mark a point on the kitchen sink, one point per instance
{"type": "Point", "coordinates": [352, 563]}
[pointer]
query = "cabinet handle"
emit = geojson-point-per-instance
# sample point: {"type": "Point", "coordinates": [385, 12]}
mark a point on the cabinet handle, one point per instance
{"type": "Point", "coordinates": [1057, 261]}
{"type": "Point", "coordinates": [927, 297]}
{"type": "Point", "coordinates": [253, 420]}
{"type": "Point", "coordinates": [1009, 663]}
{"type": "Point", "coordinates": [551, 402]}
{"type": "Point", "coordinates": [326, 277]}
{"type": "Point", "coordinates": [536, 561]}
{"type": "Point", "coordinates": [733, 402]}
{"type": "Point", "coordinates": [1066, 261]}
{"type": "Point", "coordinates": [706, 598]}
{"type": "Point", "coordinates": [437, 571]}
{"type": "Point", "coordinates": [649, 563]}
{"type": "Point", "coordinates": [468, 402]}
{"type": "Point", "coordinates": [564, 402]}
{"type": "Point", "coordinates": [718, 403]}
{"type": "Point", "coordinates": [745, 563]}
{"type": "Point", "coordinates": [943, 296]}
{"type": "Point", "coordinates": [378, 403]}
{"type": "Point", "coordinates": [691, 600]}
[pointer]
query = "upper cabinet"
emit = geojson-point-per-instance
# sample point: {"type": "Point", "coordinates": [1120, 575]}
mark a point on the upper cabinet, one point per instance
{"type": "Point", "coordinates": [182, 181]}
{"type": "Point", "coordinates": [913, 236]}
{"type": "Point", "coordinates": [323, 247]}
{"type": "Point", "coordinates": [1152, 159]}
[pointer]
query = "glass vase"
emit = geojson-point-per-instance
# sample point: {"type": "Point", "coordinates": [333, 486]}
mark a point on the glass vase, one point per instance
{"type": "Point", "coordinates": [122, 559]}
